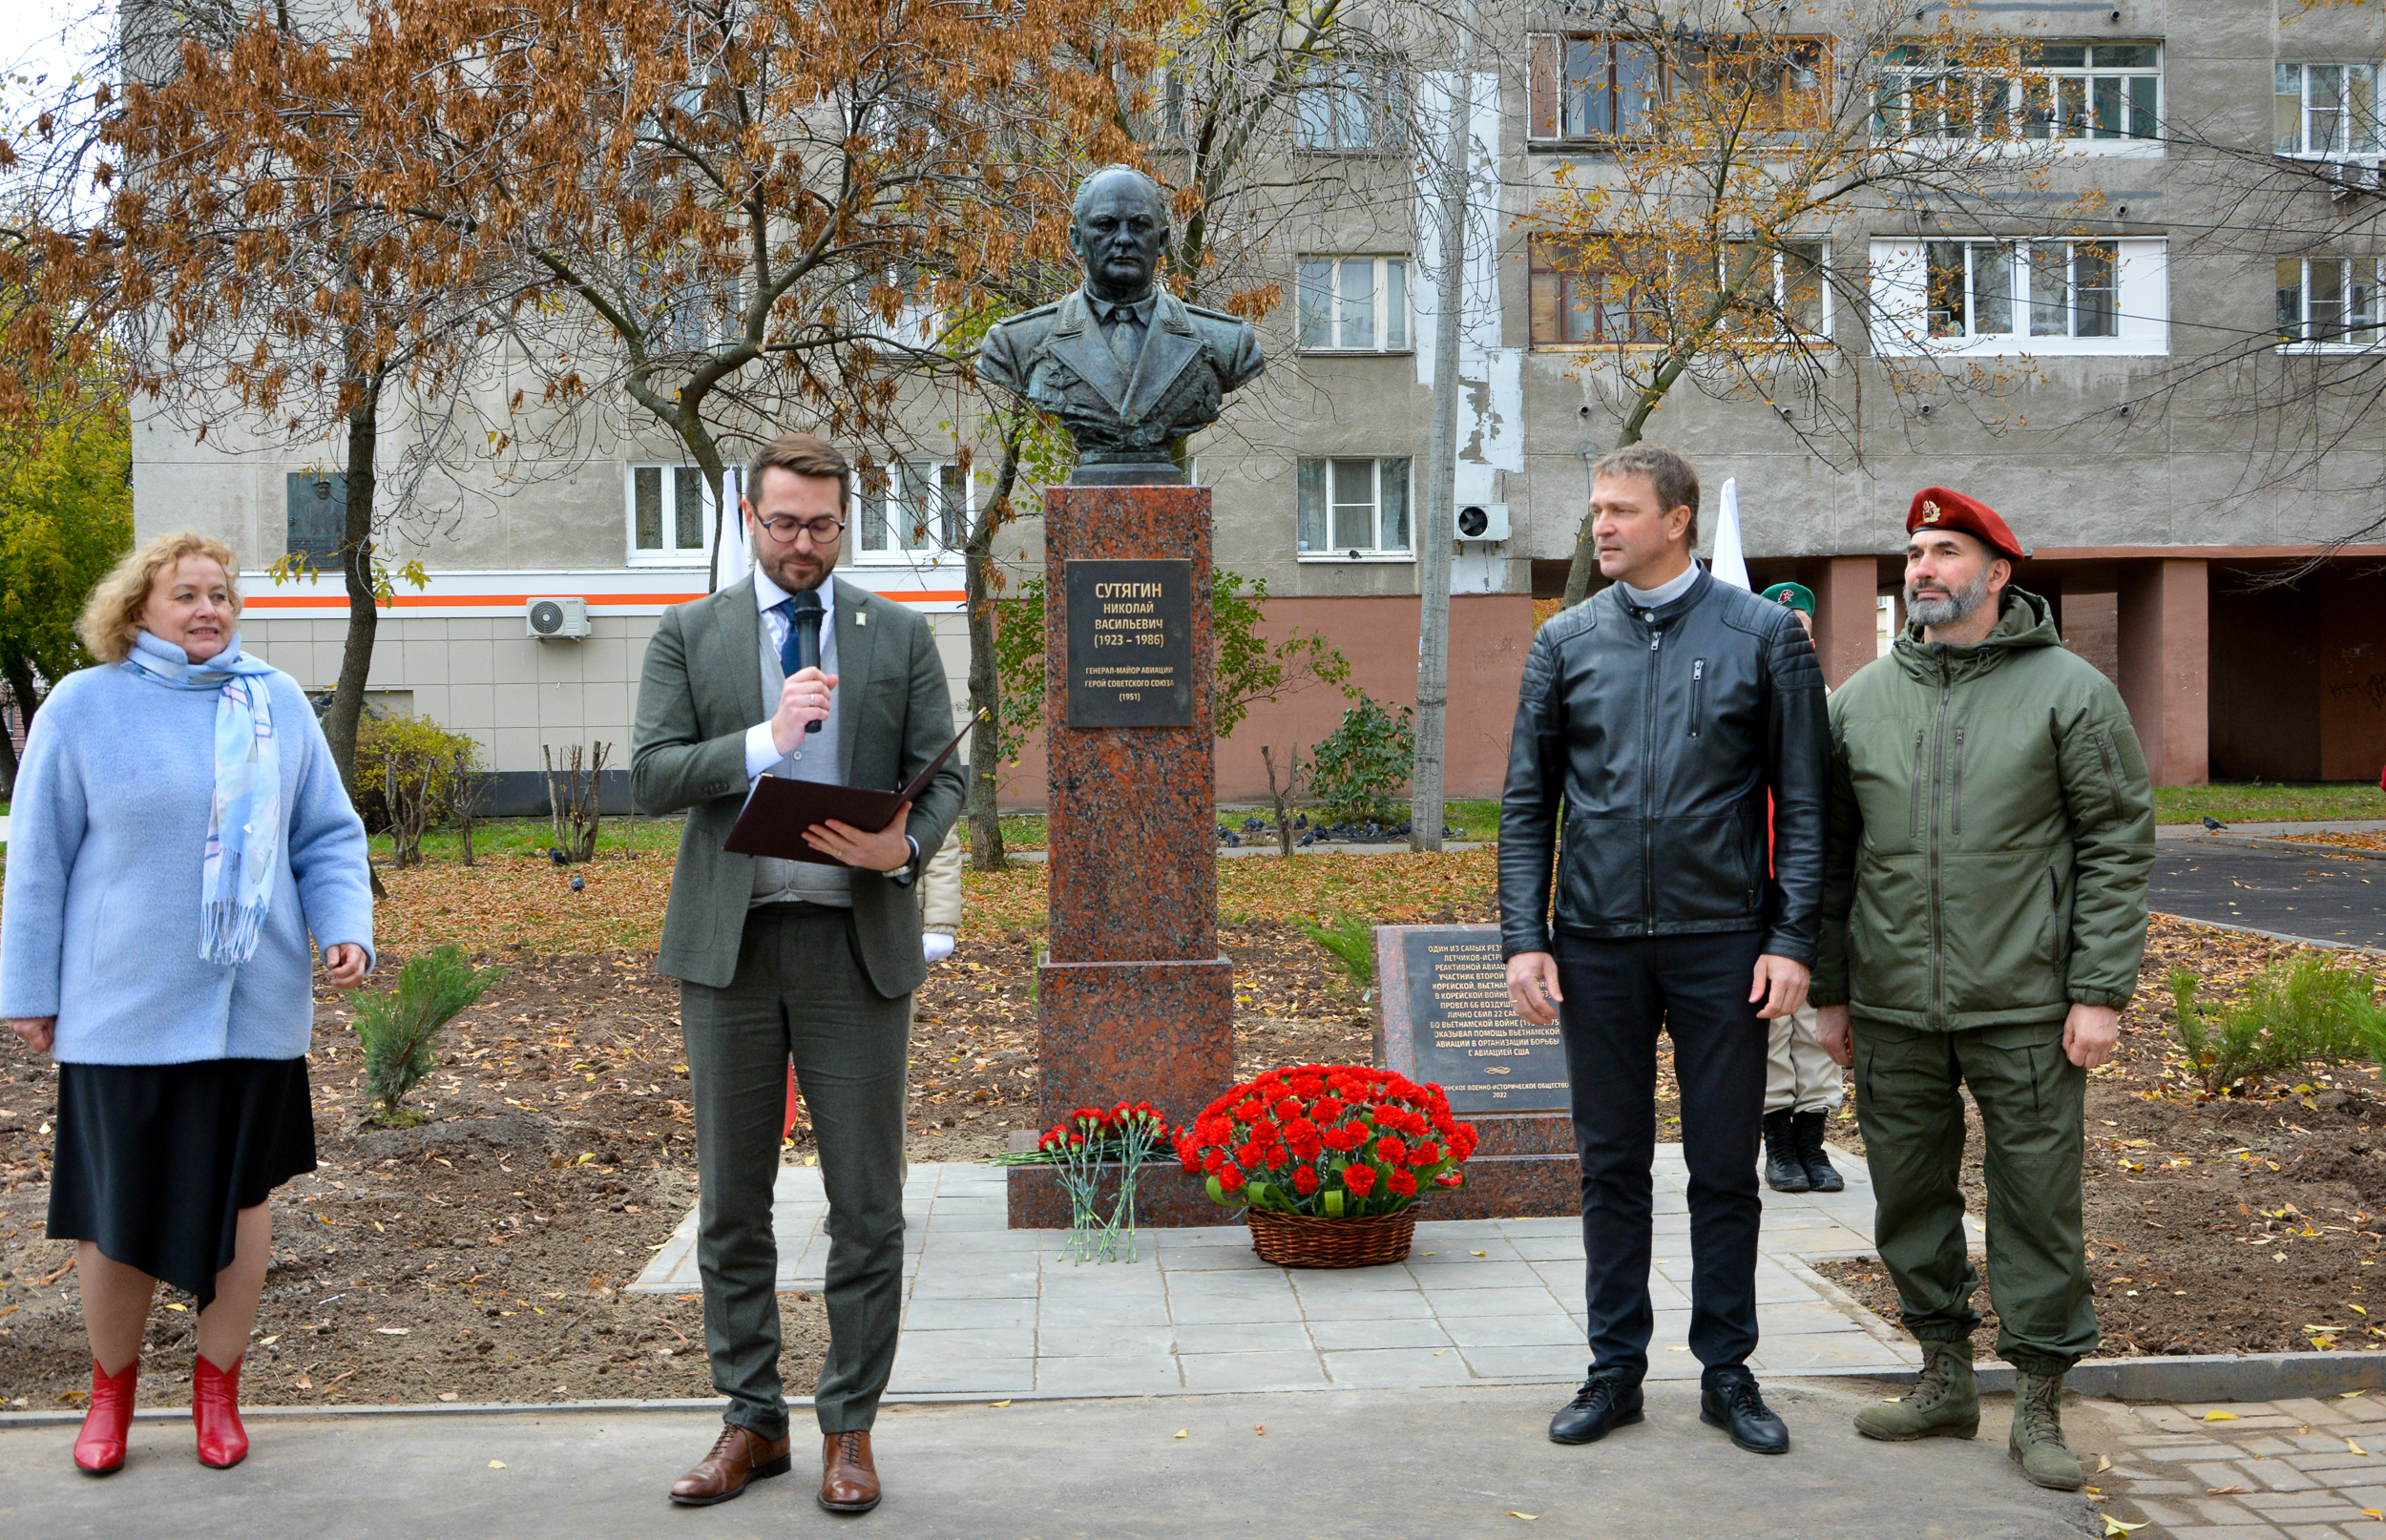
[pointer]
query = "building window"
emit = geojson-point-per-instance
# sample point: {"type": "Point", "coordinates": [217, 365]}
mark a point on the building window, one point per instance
{"type": "Point", "coordinates": [2331, 303]}
{"type": "Point", "coordinates": [2327, 109]}
{"type": "Point", "coordinates": [1596, 87]}
{"type": "Point", "coordinates": [1798, 291]}
{"type": "Point", "coordinates": [670, 515]}
{"type": "Point", "coordinates": [1350, 108]}
{"type": "Point", "coordinates": [2021, 297]}
{"type": "Point", "coordinates": [912, 511]}
{"type": "Point", "coordinates": [2034, 288]}
{"type": "Point", "coordinates": [318, 506]}
{"type": "Point", "coordinates": [2081, 93]}
{"type": "Point", "coordinates": [1353, 507]}
{"type": "Point", "coordinates": [1580, 298]}
{"type": "Point", "coordinates": [1354, 304]}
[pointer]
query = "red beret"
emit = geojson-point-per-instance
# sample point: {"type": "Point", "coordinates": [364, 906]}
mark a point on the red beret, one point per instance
{"type": "Point", "coordinates": [1937, 507]}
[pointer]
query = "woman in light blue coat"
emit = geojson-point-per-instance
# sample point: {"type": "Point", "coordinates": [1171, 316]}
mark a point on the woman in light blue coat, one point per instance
{"type": "Point", "coordinates": [176, 832]}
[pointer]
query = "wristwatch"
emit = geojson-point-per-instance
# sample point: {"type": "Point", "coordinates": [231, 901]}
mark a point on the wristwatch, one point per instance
{"type": "Point", "coordinates": [904, 875]}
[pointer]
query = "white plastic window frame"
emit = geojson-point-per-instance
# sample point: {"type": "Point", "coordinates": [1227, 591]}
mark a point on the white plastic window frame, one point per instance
{"type": "Point", "coordinates": [2353, 139]}
{"type": "Point", "coordinates": [1818, 249]}
{"type": "Point", "coordinates": [905, 480]}
{"type": "Point", "coordinates": [2019, 96]}
{"type": "Point", "coordinates": [669, 477]}
{"type": "Point", "coordinates": [1391, 325]}
{"type": "Point", "coordinates": [1348, 554]}
{"type": "Point", "coordinates": [2350, 273]}
{"type": "Point", "coordinates": [1901, 284]}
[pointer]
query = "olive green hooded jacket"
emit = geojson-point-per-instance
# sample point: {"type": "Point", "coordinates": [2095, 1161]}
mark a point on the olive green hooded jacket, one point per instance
{"type": "Point", "coordinates": [1990, 835]}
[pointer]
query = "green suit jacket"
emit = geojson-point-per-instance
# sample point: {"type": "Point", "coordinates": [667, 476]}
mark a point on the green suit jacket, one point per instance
{"type": "Point", "coordinates": [702, 688]}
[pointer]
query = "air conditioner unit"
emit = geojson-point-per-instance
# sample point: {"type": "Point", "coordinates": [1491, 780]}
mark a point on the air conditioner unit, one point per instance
{"type": "Point", "coordinates": [1482, 521]}
{"type": "Point", "coordinates": [552, 619]}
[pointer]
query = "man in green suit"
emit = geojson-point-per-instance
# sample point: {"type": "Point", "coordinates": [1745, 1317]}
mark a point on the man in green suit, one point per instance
{"type": "Point", "coordinates": [793, 672]}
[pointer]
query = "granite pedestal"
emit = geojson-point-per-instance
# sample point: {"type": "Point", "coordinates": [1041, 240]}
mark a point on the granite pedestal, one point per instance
{"type": "Point", "coordinates": [1135, 1001]}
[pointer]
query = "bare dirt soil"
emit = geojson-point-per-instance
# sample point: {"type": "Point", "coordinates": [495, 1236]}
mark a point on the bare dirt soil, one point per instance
{"type": "Point", "coordinates": [483, 1256]}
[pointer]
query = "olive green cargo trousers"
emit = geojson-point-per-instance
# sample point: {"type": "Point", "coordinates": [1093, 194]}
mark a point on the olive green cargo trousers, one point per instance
{"type": "Point", "coordinates": [2032, 1100]}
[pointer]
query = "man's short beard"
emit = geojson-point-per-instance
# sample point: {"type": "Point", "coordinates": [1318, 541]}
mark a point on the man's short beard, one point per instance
{"type": "Point", "coordinates": [1952, 608]}
{"type": "Point", "coordinates": [768, 563]}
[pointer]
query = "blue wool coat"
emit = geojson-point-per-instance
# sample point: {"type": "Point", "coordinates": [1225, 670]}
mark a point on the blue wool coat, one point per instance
{"type": "Point", "coordinates": [100, 924]}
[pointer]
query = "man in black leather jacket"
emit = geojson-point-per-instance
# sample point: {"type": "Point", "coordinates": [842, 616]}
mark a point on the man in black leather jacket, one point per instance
{"type": "Point", "coordinates": [1653, 721]}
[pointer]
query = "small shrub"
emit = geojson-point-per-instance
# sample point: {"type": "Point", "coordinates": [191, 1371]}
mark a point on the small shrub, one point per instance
{"type": "Point", "coordinates": [397, 1025]}
{"type": "Point", "coordinates": [2292, 1013]}
{"type": "Point", "coordinates": [1360, 766]}
{"type": "Point", "coordinates": [428, 760]}
{"type": "Point", "coordinates": [1349, 941]}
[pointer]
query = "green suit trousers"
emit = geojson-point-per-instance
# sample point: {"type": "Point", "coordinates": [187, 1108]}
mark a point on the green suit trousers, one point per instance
{"type": "Point", "coordinates": [800, 992]}
{"type": "Point", "coordinates": [2032, 1100]}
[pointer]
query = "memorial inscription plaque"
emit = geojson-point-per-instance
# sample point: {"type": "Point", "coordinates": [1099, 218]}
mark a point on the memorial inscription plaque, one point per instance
{"type": "Point", "coordinates": [1463, 1033]}
{"type": "Point", "coordinates": [1130, 643]}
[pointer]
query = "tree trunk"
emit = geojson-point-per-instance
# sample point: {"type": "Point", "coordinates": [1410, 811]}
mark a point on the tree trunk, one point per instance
{"type": "Point", "coordinates": [986, 853]}
{"type": "Point", "coordinates": [355, 565]}
{"type": "Point", "coordinates": [20, 676]}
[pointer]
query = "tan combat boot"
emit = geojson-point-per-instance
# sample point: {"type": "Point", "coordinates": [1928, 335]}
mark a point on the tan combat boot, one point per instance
{"type": "Point", "coordinates": [2037, 1445]}
{"type": "Point", "coordinates": [1944, 1404]}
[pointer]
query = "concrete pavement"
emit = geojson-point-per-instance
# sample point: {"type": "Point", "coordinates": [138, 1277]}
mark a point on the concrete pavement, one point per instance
{"type": "Point", "coordinates": [2297, 892]}
{"type": "Point", "coordinates": [997, 1312]}
{"type": "Point", "coordinates": [1376, 1465]}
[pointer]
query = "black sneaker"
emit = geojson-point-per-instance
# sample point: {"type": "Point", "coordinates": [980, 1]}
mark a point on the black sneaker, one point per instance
{"type": "Point", "coordinates": [1731, 1402]}
{"type": "Point", "coordinates": [1606, 1402]}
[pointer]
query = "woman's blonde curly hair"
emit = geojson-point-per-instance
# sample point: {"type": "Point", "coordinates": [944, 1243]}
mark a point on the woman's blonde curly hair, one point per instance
{"type": "Point", "coordinates": [111, 614]}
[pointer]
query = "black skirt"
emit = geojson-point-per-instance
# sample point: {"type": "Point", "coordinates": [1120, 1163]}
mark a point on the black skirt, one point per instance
{"type": "Point", "coordinates": [154, 1161]}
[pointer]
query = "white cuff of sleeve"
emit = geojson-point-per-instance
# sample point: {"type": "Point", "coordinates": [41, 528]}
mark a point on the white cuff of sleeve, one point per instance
{"type": "Point", "coordinates": [762, 750]}
{"type": "Point", "coordinates": [935, 946]}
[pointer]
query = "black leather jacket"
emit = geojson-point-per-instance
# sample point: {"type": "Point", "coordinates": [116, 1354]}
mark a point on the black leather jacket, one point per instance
{"type": "Point", "coordinates": [1658, 733]}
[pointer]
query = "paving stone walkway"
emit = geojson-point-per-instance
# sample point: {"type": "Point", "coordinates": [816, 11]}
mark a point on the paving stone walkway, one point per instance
{"type": "Point", "coordinates": [2307, 1469]}
{"type": "Point", "coordinates": [994, 1311]}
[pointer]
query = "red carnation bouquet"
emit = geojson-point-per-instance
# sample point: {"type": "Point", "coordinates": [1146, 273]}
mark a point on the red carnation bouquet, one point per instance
{"type": "Point", "coordinates": [1084, 1147]}
{"type": "Point", "coordinates": [1333, 1141]}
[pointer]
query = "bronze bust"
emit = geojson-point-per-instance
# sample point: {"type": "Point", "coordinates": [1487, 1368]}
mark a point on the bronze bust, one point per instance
{"type": "Point", "coordinates": [1127, 367]}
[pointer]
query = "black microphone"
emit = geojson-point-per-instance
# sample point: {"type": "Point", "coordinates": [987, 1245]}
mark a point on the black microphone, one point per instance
{"type": "Point", "coordinates": [806, 621]}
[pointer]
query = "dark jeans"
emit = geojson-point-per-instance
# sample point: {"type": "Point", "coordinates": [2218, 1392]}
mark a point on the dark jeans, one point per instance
{"type": "Point", "coordinates": [801, 993]}
{"type": "Point", "coordinates": [1618, 995]}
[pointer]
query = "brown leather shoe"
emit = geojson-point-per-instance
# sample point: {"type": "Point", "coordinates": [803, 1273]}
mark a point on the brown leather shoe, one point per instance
{"type": "Point", "coordinates": [849, 1477]}
{"type": "Point", "coordinates": [740, 1455]}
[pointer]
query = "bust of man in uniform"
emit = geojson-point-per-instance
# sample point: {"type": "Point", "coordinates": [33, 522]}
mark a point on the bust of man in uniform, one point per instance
{"type": "Point", "coordinates": [1127, 367]}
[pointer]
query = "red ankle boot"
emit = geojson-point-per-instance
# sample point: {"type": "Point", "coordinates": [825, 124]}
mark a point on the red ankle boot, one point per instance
{"type": "Point", "coordinates": [215, 1408]}
{"type": "Point", "coordinates": [99, 1449]}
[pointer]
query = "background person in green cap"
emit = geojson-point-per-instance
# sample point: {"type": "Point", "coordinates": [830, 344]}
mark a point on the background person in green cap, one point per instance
{"type": "Point", "coordinates": [1802, 1086]}
{"type": "Point", "coordinates": [1984, 888]}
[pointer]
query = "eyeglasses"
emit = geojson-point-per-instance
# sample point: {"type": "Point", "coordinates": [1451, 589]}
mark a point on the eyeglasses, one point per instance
{"type": "Point", "coordinates": [822, 530]}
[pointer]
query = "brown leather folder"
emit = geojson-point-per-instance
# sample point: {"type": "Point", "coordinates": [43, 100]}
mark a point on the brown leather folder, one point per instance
{"type": "Point", "coordinates": [778, 810]}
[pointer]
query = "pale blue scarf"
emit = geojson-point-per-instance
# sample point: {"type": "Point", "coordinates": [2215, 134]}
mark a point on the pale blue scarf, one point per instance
{"type": "Point", "coordinates": [244, 819]}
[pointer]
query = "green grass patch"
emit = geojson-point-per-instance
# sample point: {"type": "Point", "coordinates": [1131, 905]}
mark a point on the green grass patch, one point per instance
{"type": "Point", "coordinates": [531, 839]}
{"type": "Point", "coordinates": [2267, 802]}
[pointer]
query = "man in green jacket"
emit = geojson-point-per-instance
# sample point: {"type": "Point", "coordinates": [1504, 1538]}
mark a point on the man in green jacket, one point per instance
{"type": "Point", "coordinates": [1991, 836]}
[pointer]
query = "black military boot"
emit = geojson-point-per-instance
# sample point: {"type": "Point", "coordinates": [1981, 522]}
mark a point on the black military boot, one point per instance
{"type": "Point", "coordinates": [1808, 1126]}
{"type": "Point", "coordinates": [1785, 1170]}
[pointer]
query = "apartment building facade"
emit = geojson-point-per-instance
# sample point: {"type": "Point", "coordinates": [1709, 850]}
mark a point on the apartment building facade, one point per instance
{"type": "Point", "coordinates": [2159, 423]}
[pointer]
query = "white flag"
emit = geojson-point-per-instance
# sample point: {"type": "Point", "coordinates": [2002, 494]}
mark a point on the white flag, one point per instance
{"type": "Point", "coordinates": [736, 560]}
{"type": "Point", "coordinates": [1728, 565]}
